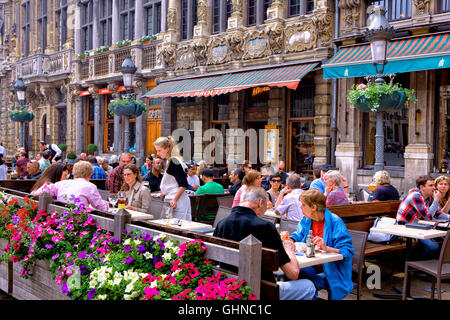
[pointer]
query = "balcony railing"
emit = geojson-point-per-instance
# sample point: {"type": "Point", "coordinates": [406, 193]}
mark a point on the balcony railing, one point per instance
{"type": "Point", "coordinates": [106, 64]}
{"type": "Point", "coordinates": [42, 65]}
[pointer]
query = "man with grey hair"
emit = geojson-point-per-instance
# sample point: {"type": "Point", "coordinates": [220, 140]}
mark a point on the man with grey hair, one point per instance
{"type": "Point", "coordinates": [288, 202]}
{"type": "Point", "coordinates": [245, 220]}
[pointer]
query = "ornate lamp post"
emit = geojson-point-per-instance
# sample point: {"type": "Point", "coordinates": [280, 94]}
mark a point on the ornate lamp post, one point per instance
{"type": "Point", "coordinates": [379, 33]}
{"type": "Point", "coordinates": [22, 115]}
{"type": "Point", "coordinates": [128, 69]}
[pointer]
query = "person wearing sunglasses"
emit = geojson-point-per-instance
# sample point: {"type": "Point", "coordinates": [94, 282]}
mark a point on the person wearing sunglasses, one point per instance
{"type": "Point", "coordinates": [275, 186]}
{"type": "Point", "coordinates": [138, 195]}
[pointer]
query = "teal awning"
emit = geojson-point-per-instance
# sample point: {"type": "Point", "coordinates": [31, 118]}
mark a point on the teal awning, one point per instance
{"type": "Point", "coordinates": [404, 55]}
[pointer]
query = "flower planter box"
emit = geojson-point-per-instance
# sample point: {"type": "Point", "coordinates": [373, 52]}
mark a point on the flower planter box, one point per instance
{"type": "Point", "coordinates": [39, 286]}
{"type": "Point", "coordinates": [3, 268]}
{"type": "Point", "coordinates": [147, 42]}
{"type": "Point", "coordinates": [21, 117]}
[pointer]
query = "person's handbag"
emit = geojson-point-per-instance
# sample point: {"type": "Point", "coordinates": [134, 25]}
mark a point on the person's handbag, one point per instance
{"type": "Point", "coordinates": [379, 237]}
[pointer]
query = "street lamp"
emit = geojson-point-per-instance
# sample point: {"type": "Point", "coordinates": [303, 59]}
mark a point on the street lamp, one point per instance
{"type": "Point", "coordinates": [20, 87]}
{"type": "Point", "coordinates": [379, 33]}
{"type": "Point", "coordinates": [128, 69]}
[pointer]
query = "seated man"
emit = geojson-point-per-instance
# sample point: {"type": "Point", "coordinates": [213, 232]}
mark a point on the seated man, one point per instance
{"type": "Point", "coordinates": [423, 203]}
{"type": "Point", "coordinates": [288, 204]}
{"type": "Point", "coordinates": [319, 183]}
{"type": "Point", "coordinates": [192, 177]}
{"type": "Point", "coordinates": [244, 220]}
{"type": "Point", "coordinates": [33, 170]}
{"type": "Point", "coordinates": [210, 185]}
{"type": "Point", "coordinates": [236, 177]}
{"type": "Point", "coordinates": [98, 173]}
{"type": "Point", "coordinates": [154, 176]}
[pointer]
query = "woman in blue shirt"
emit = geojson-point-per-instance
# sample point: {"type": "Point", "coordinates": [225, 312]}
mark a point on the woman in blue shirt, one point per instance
{"type": "Point", "coordinates": [330, 235]}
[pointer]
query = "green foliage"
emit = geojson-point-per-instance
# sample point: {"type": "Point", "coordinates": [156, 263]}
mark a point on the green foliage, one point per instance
{"type": "Point", "coordinates": [71, 155]}
{"type": "Point", "coordinates": [63, 147]}
{"type": "Point", "coordinates": [123, 43]}
{"type": "Point", "coordinates": [92, 148]}
{"type": "Point", "coordinates": [147, 38]}
{"type": "Point", "coordinates": [120, 102]}
{"type": "Point", "coordinates": [373, 92]}
{"type": "Point", "coordinates": [19, 111]}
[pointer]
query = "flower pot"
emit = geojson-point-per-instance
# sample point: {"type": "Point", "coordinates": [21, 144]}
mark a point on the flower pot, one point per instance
{"type": "Point", "coordinates": [21, 117]}
{"type": "Point", "coordinates": [147, 42]}
{"type": "Point", "coordinates": [392, 102]}
{"type": "Point", "coordinates": [362, 104]}
{"type": "Point", "coordinates": [129, 109]}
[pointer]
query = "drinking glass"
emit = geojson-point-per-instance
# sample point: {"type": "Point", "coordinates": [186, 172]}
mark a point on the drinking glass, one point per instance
{"type": "Point", "coordinates": [122, 199]}
{"type": "Point", "coordinates": [113, 199]}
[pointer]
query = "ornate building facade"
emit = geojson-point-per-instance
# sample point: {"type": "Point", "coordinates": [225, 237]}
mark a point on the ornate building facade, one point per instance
{"type": "Point", "coordinates": [232, 65]}
{"type": "Point", "coordinates": [416, 138]}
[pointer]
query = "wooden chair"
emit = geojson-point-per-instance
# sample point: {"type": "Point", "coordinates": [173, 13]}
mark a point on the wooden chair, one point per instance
{"type": "Point", "coordinates": [207, 207]}
{"type": "Point", "coordinates": [195, 201]}
{"type": "Point", "coordinates": [288, 225]}
{"type": "Point", "coordinates": [359, 239]}
{"type": "Point", "coordinates": [225, 201]}
{"type": "Point", "coordinates": [222, 213]}
{"type": "Point", "coordinates": [438, 269]}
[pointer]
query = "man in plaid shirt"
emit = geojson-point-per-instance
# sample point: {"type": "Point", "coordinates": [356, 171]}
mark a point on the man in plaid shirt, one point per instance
{"type": "Point", "coordinates": [423, 203]}
{"type": "Point", "coordinates": [115, 180]}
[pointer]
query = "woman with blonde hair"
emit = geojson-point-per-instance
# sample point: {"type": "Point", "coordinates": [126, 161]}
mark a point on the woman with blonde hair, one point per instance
{"type": "Point", "coordinates": [443, 186]}
{"type": "Point", "coordinates": [251, 179]}
{"type": "Point", "coordinates": [384, 190]}
{"type": "Point", "coordinates": [138, 195]}
{"type": "Point", "coordinates": [174, 181]}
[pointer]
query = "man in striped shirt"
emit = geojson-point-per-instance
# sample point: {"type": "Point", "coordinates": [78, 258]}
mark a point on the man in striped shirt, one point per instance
{"type": "Point", "coordinates": [115, 180]}
{"type": "Point", "coordinates": [423, 203]}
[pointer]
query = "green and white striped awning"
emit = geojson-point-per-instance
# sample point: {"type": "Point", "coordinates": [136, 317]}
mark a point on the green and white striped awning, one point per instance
{"type": "Point", "coordinates": [403, 55]}
{"type": "Point", "coordinates": [287, 76]}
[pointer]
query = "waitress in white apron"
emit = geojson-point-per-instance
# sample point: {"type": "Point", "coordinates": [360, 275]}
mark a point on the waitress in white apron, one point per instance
{"type": "Point", "coordinates": [174, 182]}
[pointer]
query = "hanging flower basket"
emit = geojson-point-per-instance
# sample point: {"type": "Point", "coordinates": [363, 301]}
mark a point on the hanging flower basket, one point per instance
{"type": "Point", "coordinates": [21, 115]}
{"type": "Point", "coordinates": [375, 97]}
{"type": "Point", "coordinates": [127, 107]}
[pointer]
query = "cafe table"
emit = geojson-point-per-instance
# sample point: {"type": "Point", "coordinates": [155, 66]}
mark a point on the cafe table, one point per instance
{"type": "Point", "coordinates": [185, 225]}
{"type": "Point", "coordinates": [409, 234]}
{"type": "Point", "coordinates": [321, 257]}
{"type": "Point", "coordinates": [135, 215]}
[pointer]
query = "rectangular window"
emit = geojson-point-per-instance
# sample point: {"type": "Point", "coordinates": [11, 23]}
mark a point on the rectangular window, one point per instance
{"type": "Point", "coordinates": [216, 16]}
{"type": "Point", "coordinates": [251, 12]}
{"type": "Point", "coordinates": [396, 9]}
{"type": "Point", "coordinates": [309, 6]}
{"type": "Point", "coordinates": [188, 18]}
{"type": "Point", "coordinates": [294, 7]}
{"type": "Point", "coordinates": [105, 22]}
{"type": "Point", "coordinates": [302, 99]}
{"type": "Point", "coordinates": [267, 4]}
{"type": "Point", "coordinates": [152, 10]}
{"type": "Point", "coordinates": [127, 19]}
{"type": "Point", "coordinates": [61, 22]}
{"type": "Point", "coordinates": [443, 6]}
{"type": "Point", "coordinates": [42, 21]}
{"type": "Point", "coordinates": [86, 25]}
{"type": "Point", "coordinates": [221, 11]}
{"type": "Point", "coordinates": [26, 12]}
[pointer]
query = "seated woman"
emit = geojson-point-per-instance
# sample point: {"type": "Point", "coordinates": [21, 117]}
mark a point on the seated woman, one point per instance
{"type": "Point", "coordinates": [79, 187]}
{"type": "Point", "coordinates": [138, 195]}
{"type": "Point", "coordinates": [384, 190]}
{"type": "Point", "coordinates": [330, 235]}
{"type": "Point", "coordinates": [274, 191]}
{"type": "Point", "coordinates": [54, 173]}
{"type": "Point", "coordinates": [333, 191]}
{"type": "Point", "coordinates": [252, 179]}
{"type": "Point", "coordinates": [443, 186]}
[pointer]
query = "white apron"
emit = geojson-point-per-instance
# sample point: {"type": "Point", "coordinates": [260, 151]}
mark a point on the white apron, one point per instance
{"type": "Point", "coordinates": [169, 188]}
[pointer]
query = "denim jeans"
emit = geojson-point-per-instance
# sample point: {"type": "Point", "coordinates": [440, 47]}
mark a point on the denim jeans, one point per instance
{"type": "Point", "coordinates": [302, 289]}
{"type": "Point", "coordinates": [429, 248]}
{"type": "Point", "coordinates": [318, 279]}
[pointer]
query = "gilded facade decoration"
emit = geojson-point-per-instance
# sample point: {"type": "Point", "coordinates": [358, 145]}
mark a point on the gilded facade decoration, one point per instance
{"type": "Point", "coordinates": [256, 45]}
{"type": "Point", "coordinates": [235, 42]}
{"type": "Point", "coordinates": [422, 6]}
{"type": "Point", "coordinates": [351, 13]}
{"type": "Point", "coordinates": [300, 37]}
{"type": "Point", "coordinates": [218, 50]}
{"type": "Point", "coordinates": [323, 21]}
{"type": "Point", "coordinates": [276, 36]}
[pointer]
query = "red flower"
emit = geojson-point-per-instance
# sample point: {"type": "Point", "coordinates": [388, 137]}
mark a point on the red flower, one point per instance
{"type": "Point", "coordinates": [16, 246]}
{"type": "Point", "coordinates": [14, 259]}
{"type": "Point", "coordinates": [185, 280]}
{"type": "Point", "coordinates": [159, 265]}
{"type": "Point", "coordinates": [10, 226]}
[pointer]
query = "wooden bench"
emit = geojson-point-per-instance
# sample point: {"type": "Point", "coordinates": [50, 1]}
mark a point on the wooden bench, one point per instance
{"type": "Point", "coordinates": [247, 256]}
{"type": "Point", "coordinates": [361, 216]}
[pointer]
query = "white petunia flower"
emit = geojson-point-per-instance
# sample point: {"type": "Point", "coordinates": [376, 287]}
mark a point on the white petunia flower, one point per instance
{"type": "Point", "coordinates": [148, 255]}
{"type": "Point", "coordinates": [167, 256]}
